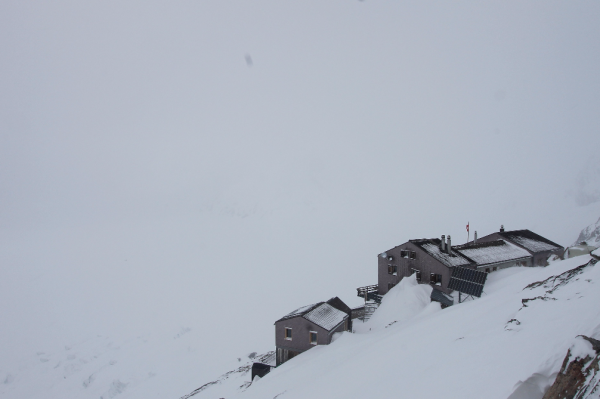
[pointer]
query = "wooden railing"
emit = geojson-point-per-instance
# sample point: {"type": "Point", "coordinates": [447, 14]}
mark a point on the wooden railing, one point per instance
{"type": "Point", "coordinates": [369, 293]}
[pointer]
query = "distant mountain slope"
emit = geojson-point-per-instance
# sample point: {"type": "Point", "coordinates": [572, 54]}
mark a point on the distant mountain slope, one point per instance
{"type": "Point", "coordinates": [591, 234]}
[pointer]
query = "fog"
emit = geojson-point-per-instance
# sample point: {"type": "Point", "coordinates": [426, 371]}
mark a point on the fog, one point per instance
{"type": "Point", "coordinates": [217, 164]}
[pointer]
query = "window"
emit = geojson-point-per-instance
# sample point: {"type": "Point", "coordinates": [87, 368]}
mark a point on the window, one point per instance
{"type": "Point", "coordinates": [393, 269]}
{"type": "Point", "coordinates": [487, 269]}
{"type": "Point", "coordinates": [313, 337]}
{"type": "Point", "coordinates": [288, 333]}
{"type": "Point", "coordinates": [494, 268]}
{"type": "Point", "coordinates": [418, 275]}
{"type": "Point", "coordinates": [403, 253]}
{"type": "Point", "coordinates": [413, 255]}
{"type": "Point", "coordinates": [435, 279]}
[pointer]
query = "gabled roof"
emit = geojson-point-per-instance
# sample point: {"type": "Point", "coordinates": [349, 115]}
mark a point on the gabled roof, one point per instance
{"type": "Point", "coordinates": [326, 316]}
{"type": "Point", "coordinates": [300, 311]}
{"type": "Point", "coordinates": [530, 241]}
{"type": "Point", "coordinates": [322, 314]}
{"type": "Point", "coordinates": [486, 253]}
{"type": "Point", "coordinates": [339, 305]}
{"type": "Point", "coordinates": [432, 247]}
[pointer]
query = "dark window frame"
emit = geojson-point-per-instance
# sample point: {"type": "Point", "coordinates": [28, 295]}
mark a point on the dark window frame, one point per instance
{"type": "Point", "coordinates": [286, 335]}
{"type": "Point", "coordinates": [310, 337]}
{"type": "Point", "coordinates": [419, 276]}
{"type": "Point", "coordinates": [435, 279]}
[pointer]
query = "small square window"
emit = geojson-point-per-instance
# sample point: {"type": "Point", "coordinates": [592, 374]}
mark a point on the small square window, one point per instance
{"type": "Point", "coordinates": [288, 333]}
{"type": "Point", "coordinates": [313, 337]}
{"type": "Point", "coordinates": [487, 269]}
{"type": "Point", "coordinates": [390, 269]}
{"type": "Point", "coordinates": [494, 268]}
{"type": "Point", "coordinates": [403, 253]}
{"type": "Point", "coordinates": [413, 255]}
{"type": "Point", "coordinates": [418, 275]}
{"type": "Point", "coordinates": [435, 279]}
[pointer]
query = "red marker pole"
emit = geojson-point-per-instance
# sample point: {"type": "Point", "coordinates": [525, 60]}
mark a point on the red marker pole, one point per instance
{"type": "Point", "coordinates": [468, 235]}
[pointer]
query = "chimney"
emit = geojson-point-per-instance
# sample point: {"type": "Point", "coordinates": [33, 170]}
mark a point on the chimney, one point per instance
{"type": "Point", "coordinates": [475, 237]}
{"type": "Point", "coordinates": [443, 243]}
{"type": "Point", "coordinates": [449, 248]}
{"type": "Point", "coordinates": [501, 228]}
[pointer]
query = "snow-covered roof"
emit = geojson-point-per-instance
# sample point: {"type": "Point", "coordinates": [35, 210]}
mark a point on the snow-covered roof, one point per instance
{"type": "Point", "coordinates": [530, 241]}
{"type": "Point", "coordinates": [596, 252]}
{"type": "Point", "coordinates": [321, 313]}
{"type": "Point", "coordinates": [492, 252]}
{"type": "Point", "coordinates": [432, 247]}
{"type": "Point", "coordinates": [299, 311]}
{"type": "Point", "coordinates": [326, 316]}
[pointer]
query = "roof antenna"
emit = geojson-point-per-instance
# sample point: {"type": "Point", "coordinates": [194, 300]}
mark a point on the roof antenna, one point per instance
{"type": "Point", "coordinates": [501, 228]}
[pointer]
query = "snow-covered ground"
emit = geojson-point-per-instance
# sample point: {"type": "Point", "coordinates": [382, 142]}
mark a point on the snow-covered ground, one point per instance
{"type": "Point", "coordinates": [176, 176]}
{"type": "Point", "coordinates": [512, 341]}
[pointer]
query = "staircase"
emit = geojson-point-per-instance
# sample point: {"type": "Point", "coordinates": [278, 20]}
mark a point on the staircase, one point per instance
{"type": "Point", "coordinates": [372, 300]}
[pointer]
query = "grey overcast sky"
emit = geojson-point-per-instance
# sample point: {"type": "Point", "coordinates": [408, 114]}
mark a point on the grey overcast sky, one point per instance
{"type": "Point", "coordinates": [169, 146]}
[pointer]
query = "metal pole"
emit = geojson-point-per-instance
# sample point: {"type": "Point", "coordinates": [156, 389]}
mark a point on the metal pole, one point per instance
{"type": "Point", "coordinates": [365, 308]}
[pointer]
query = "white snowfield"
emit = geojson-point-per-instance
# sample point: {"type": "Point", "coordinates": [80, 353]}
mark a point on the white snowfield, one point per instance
{"type": "Point", "coordinates": [508, 344]}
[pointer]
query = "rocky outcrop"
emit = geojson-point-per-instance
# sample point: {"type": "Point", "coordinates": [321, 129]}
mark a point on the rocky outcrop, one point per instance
{"type": "Point", "coordinates": [578, 377]}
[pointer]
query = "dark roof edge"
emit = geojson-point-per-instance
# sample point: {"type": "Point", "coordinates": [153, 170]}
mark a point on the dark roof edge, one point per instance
{"type": "Point", "coordinates": [286, 317]}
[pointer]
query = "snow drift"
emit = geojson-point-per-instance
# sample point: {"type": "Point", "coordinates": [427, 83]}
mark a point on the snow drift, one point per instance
{"type": "Point", "coordinates": [509, 343]}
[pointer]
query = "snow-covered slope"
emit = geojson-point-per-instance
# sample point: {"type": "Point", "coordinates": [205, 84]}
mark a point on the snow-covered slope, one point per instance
{"type": "Point", "coordinates": [509, 343]}
{"type": "Point", "coordinates": [591, 235]}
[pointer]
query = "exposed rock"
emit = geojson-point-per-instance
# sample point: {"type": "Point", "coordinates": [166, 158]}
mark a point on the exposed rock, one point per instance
{"type": "Point", "coordinates": [578, 377]}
